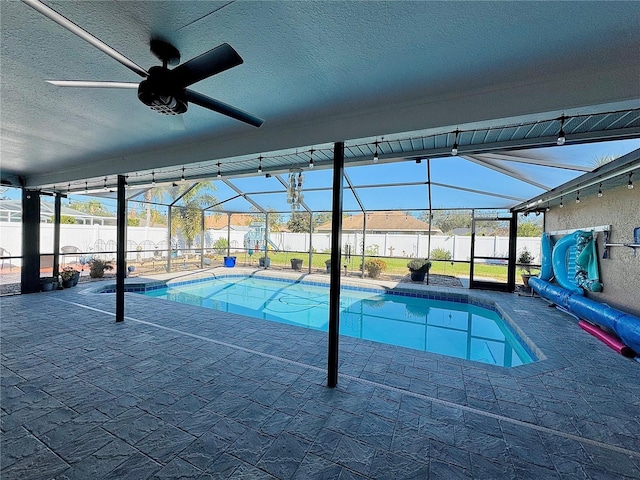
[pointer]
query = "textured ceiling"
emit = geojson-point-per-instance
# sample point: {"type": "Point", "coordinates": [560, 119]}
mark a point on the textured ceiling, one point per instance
{"type": "Point", "coordinates": [317, 72]}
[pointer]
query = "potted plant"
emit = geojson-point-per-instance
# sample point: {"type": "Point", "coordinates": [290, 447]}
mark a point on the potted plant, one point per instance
{"type": "Point", "coordinates": [374, 266]}
{"type": "Point", "coordinates": [48, 283]}
{"type": "Point", "coordinates": [418, 268]}
{"type": "Point", "coordinates": [97, 267]}
{"type": "Point", "coordinates": [264, 262]}
{"type": "Point", "coordinates": [67, 275]}
{"type": "Point", "coordinates": [296, 263]}
{"type": "Point", "coordinates": [524, 264]}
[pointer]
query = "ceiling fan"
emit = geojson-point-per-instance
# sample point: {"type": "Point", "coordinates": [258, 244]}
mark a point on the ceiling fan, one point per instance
{"type": "Point", "coordinates": [164, 90]}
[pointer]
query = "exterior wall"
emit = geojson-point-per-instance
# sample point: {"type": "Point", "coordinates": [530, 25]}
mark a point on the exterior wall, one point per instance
{"type": "Point", "coordinates": [620, 273]}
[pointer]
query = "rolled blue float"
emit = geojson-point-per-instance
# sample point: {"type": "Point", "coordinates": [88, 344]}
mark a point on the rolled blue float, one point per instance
{"type": "Point", "coordinates": [624, 325]}
{"type": "Point", "coordinates": [546, 267]}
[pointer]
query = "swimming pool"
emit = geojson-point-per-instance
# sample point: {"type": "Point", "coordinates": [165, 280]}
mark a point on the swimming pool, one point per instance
{"type": "Point", "coordinates": [455, 329]}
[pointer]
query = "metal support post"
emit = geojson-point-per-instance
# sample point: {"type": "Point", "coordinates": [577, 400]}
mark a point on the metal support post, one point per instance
{"type": "Point", "coordinates": [121, 252]}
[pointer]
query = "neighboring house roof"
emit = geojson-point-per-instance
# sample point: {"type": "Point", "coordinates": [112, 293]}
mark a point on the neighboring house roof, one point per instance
{"type": "Point", "coordinates": [220, 220]}
{"type": "Point", "coordinates": [396, 221]}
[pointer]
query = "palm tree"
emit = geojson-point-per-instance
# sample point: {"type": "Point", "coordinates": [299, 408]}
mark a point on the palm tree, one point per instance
{"type": "Point", "coordinates": [187, 218]}
{"type": "Point", "coordinates": [603, 160]}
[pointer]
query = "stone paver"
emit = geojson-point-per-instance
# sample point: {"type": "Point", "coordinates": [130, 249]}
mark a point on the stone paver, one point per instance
{"type": "Point", "coordinates": [179, 391]}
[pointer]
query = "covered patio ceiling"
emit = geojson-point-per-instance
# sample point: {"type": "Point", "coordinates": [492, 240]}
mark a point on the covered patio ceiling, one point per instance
{"type": "Point", "coordinates": [397, 77]}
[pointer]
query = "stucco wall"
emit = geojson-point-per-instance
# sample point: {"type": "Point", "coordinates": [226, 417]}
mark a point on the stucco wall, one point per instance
{"type": "Point", "coordinates": [620, 273]}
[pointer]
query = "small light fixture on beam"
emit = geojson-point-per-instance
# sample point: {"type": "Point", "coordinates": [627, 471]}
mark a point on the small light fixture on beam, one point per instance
{"type": "Point", "coordinates": [375, 155]}
{"type": "Point", "coordinates": [105, 184]}
{"type": "Point", "coordinates": [86, 187]}
{"type": "Point", "coordinates": [630, 184]}
{"type": "Point", "coordinates": [578, 196]}
{"type": "Point", "coordinates": [219, 172]}
{"type": "Point", "coordinates": [260, 164]}
{"type": "Point", "coordinates": [561, 204]}
{"type": "Point", "coordinates": [454, 150]}
{"type": "Point", "coordinates": [153, 178]}
{"type": "Point", "coordinates": [561, 136]}
{"type": "Point", "coordinates": [600, 190]}
{"type": "Point", "coordinates": [311, 158]}
{"type": "Point", "coordinates": [548, 207]}
{"type": "Point", "coordinates": [182, 179]}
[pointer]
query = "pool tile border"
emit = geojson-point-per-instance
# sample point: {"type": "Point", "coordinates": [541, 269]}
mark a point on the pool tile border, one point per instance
{"type": "Point", "coordinates": [464, 298]}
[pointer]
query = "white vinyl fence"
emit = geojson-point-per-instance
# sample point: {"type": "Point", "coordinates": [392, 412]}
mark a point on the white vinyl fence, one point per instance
{"type": "Point", "coordinates": [96, 238]}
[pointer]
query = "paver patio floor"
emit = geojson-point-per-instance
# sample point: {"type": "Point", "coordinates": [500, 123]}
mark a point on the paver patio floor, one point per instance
{"type": "Point", "coordinates": [177, 391]}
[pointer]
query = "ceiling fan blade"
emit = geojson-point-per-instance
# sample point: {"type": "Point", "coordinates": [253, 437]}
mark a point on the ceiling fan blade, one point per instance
{"type": "Point", "coordinates": [223, 108]}
{"type": "Point", "coordinates": [217, 60]}
{"type": "Point", "coordinates": [84, 84]}
{"type": "Point", "coordinates": [86, 36]}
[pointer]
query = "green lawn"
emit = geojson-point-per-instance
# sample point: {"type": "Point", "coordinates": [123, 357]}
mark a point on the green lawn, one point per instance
{"type": "Point", "coordinates": [395, 266]}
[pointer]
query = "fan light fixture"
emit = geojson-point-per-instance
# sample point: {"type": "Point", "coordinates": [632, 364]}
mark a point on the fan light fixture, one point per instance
{"type": "Point", "coordinates": [311, 158]}
{"type": "Point", "coordinates": [294, 189]}
{"type": "Point", "coordinates": [630, 184]}
{"type": "Point", "coordinates": [260, 164]}
{"type": "Point", "coordinates": [561, 137]}
{"type": "Point", "coordinates": [454, 150]}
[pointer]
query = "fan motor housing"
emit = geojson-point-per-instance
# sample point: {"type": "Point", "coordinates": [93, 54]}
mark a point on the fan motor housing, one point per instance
{"type": "Point", "coordinates": [160, 94]}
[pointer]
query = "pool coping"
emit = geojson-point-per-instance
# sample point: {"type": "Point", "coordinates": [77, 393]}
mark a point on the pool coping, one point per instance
{"type": "Point", "coordinates": [477, 298]}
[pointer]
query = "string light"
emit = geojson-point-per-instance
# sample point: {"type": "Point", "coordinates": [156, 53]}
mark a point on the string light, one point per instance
{"type": "Point", "coordinates": [153, 178]}
{"type": "Point", "coordinates": [182, 179]}
{"type": "Point", "coordinates": [260, 164]}
{"type": "Point", "coordinates": [105, 184]}
{"type": "Point", "coordinates": [600, 190]}
{"type": "Point", "coordinates": [630, 184]}
{"type": "Point", "coordinates": [578, 196]}
{"type": "Point", "coordinates": [561, 204]}
{"type": "Point", "coordinates": [311, 158]}
{"type": "Point", "coordinates": [219, 173]}
{"type": "Point", "coordinates": [548, 208]}
{"type": "Point", "coordinates": [69, 188]}
{"type": "Point", "coordinates": [561, 137]}
{"type": "Point", "coordinates": [454, 150]}
{"type": "Point", "coordinates": [86, 187]}
{"type": "Point", "coordinates": [375, 155]}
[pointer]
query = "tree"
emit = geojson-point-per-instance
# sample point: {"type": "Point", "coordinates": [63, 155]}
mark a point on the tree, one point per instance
{"type": "Point", "coordinates": [275, 219]}
{"type": "Point", "coordinates": [299, 221]}
{"type": "Point", "coordinates": [92, 207]}
{"type": "Point", "coordinates": [603, 160]}
{"type": "Point", "coordinates": [529, 229]}
{"type": "Point", "coordinates": [187, 218]}
{"type": "Point", "coordinates": [448, 220]}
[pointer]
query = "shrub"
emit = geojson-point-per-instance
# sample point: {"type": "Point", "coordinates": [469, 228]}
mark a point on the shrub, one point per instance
{"type": "Point", "coordinates": [374, 266]}
{"type": "Point", "coordinates": [220, 246]}
{"type": "Point", "coordinates": [440, 254]}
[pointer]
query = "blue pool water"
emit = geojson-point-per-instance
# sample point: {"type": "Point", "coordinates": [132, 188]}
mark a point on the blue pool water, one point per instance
{"type": "Point", "coordinates": [454, 329]}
